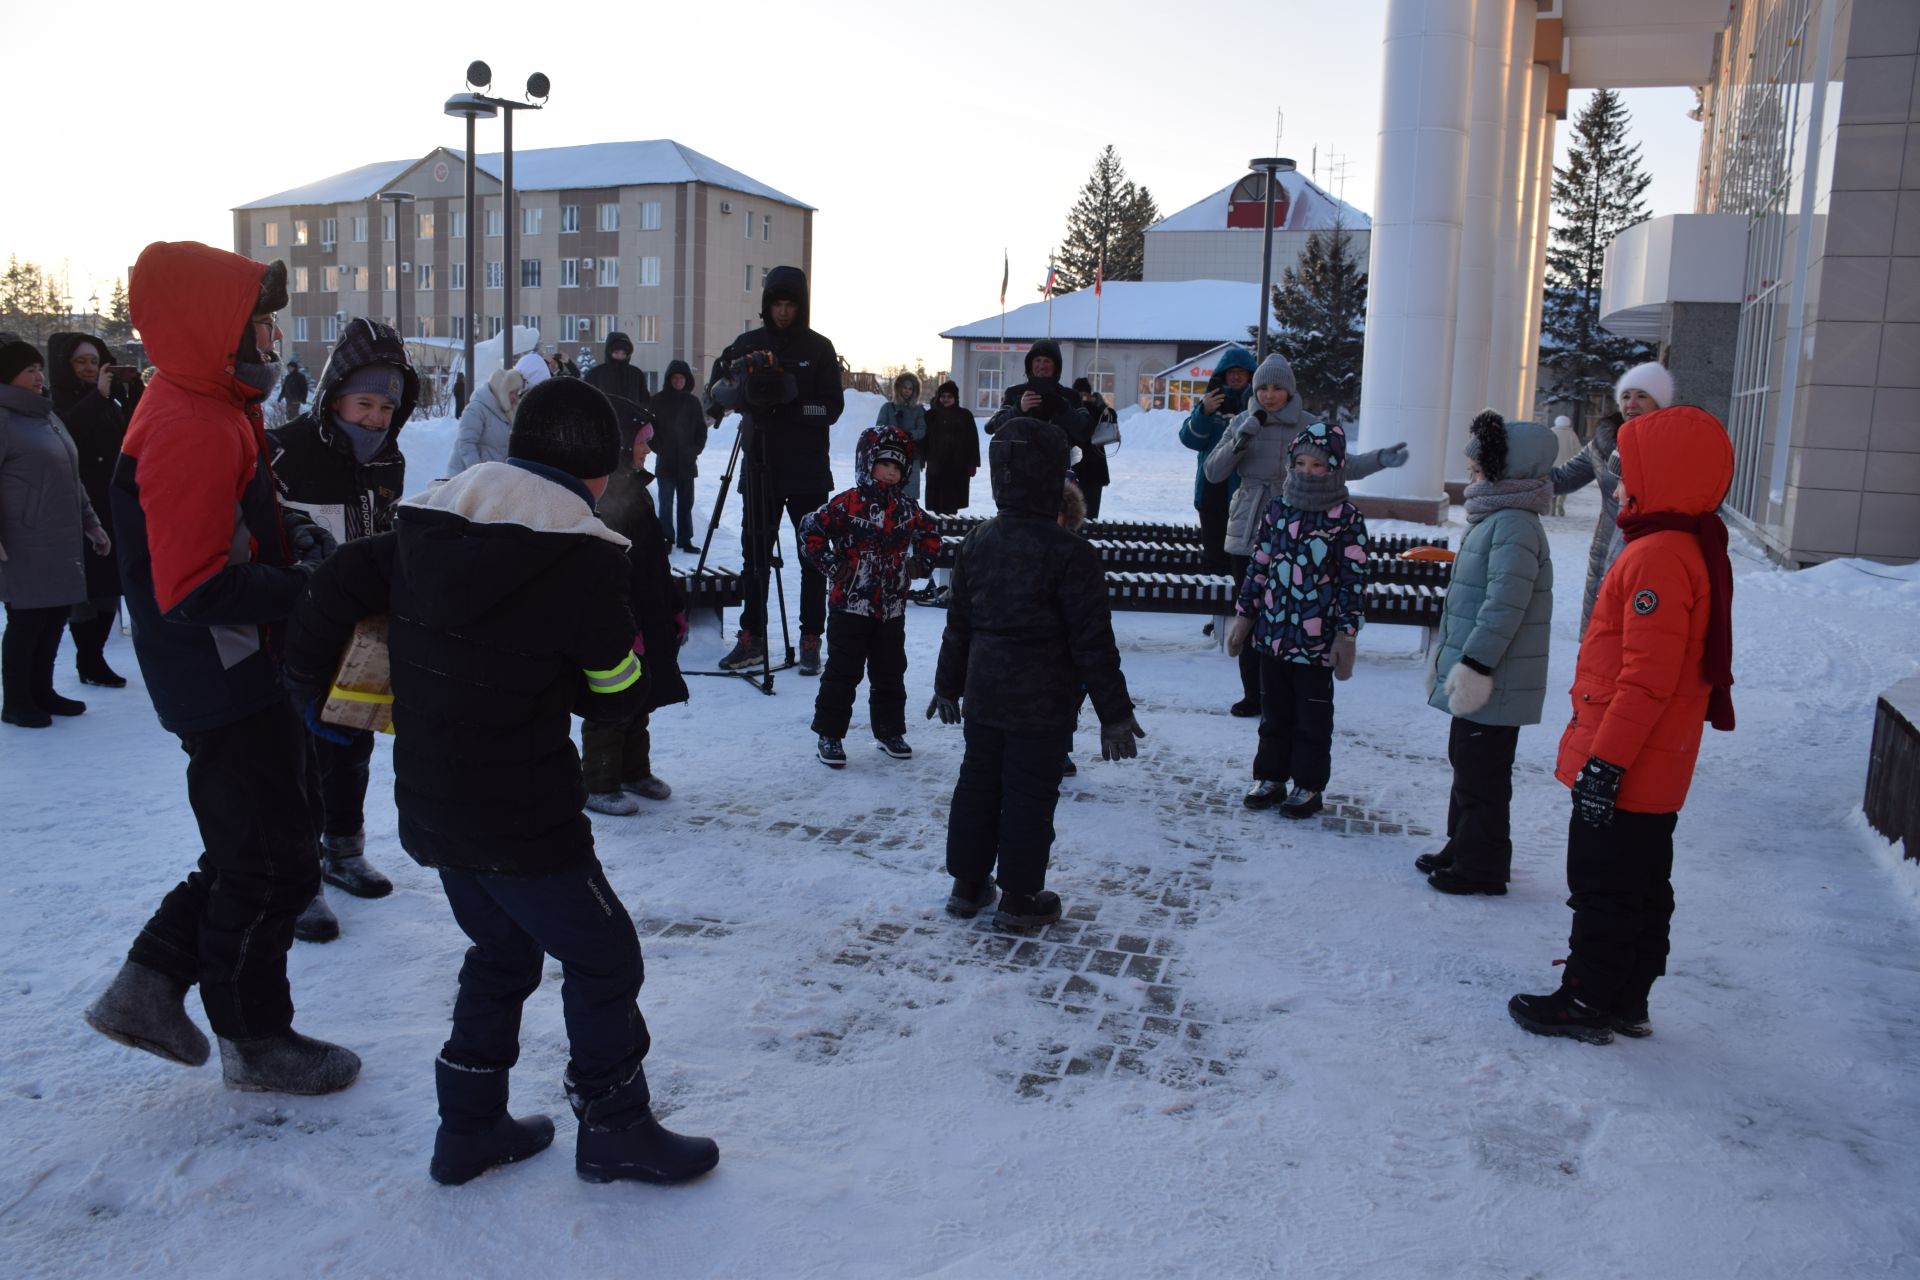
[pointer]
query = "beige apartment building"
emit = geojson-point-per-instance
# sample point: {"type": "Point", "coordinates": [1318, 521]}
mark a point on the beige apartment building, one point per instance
{"type": "Point", "coordinates": [651, 239]}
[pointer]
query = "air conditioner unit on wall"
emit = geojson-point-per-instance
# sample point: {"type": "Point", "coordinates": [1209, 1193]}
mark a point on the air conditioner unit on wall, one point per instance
{"type": "Point", "coordinates": [586, 264]}
{"type": "Point", "coordinates": [726, 206]}
{"type": "Point", "coordinates": [406, 268]}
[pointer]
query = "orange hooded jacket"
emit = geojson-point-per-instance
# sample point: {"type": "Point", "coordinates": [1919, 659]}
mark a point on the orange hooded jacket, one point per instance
{"type": "Point", "coordinates": [1639, 691]}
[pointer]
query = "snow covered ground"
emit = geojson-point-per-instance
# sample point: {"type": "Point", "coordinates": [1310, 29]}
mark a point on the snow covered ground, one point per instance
{"type": "Point", "coordinates": [1257, 1048]}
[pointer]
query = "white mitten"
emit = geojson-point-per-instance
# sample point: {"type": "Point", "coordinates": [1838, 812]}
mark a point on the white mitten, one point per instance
{"type": "Point", "coordinates": [1467, 690]}
{"type": "Point", "coordinates": [1237, 636]}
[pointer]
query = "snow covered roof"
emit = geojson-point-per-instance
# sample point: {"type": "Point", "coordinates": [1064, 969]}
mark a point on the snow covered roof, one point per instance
{"type": "Point", "coordinates": [1134, 311]}
{"type": "Point", "coordinates": [1310, 208]}
{"type": "Point", "coordinates": [594, 164]}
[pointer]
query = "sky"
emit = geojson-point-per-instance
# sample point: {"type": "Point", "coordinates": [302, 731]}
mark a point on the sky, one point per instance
{"type": "Point", "coordinates": [930, 138]}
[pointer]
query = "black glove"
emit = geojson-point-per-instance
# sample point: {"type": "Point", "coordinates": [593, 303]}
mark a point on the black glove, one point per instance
{"type": "Point", "coordinates": [310, 543]}
{"type": "Point", "coordinates": [1117, 739]}
{"type": "Point", "coordinates": [1594, 792]}
{"type": "Point", "coordinates": [948, 709]}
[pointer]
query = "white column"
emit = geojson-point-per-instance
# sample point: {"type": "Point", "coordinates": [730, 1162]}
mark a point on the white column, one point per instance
{"type": "Point", "coordinates": [1537, 286]}
{"type": "Point", "coordinates": [1503, 375]}
{"type": "Point", "coordinates": [1479, 234]}
{"type": "Point", "coordinates": [1419, 202]}
{"type": "Point", "coordinates": [1509, 285]}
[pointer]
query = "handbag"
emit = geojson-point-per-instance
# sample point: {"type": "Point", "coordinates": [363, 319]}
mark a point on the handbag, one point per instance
{"type": "Point", "coordinates": [1106, 432]}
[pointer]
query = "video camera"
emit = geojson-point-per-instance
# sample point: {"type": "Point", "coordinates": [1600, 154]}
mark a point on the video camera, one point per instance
{"type": "Point", "coordinates": [753, 364]}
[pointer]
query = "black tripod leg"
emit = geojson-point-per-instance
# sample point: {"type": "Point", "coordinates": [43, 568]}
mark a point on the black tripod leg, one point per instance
{"type": "Point", "coordinates": [719, 506]}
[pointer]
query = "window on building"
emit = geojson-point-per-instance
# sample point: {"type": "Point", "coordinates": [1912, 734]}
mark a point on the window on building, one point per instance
{"type": "Point", "coordinates": [423, 226]}
{"type": "Point", "coordinates": [423, 326]}
{"type": "Point", "coordinates": [299, 230]}
{"type": "Point", "coordinates": [763, 277]}
{"type": "Point", "coordinates": [604, 326]}
{"type": "Point", "coordinates": [353, 277]}
{"type": "Point", "coordinates": [386, 227]}
{"type": "Point", "coordinates": [646, 329]}
{"type": "Point", "coordinates": [989, 382]}
{"type": "Point", "coordinates": [1100, 374]}
{"type": "Point", "coordinates": [270, 234]}
{"type": "Point", "coordinates": [386, 280]}
{"type": "Point", "coordinates": [569, 325]}
{"type": "Point", "coordinates": [766, 226]}
{"type": "Point", "coordinates": [458, 221]}
{"type": "Point", "coordinates": [569, 217]}
{"type": "Point", "coordinates": [609, 273]}
{"type": "Point", "coordinates": [423, 276]}
{"type": "Point", "coordinates": [496, 274]}
{"type": "Point", "coordinates": [609, 217]}
{"type": "Point", "coordinates": [300, 279]}
{"type": "Point", "coordinates": [650, 215]}
{"type": "Point", "coordinates": [1184, 393]}
{"type": "Point", "coordinates": [496, 222]}
{"type": "Point", "coordinates": [329, 279]}
{"type": "Point", "coordinates": [359, 228]}
{"type": "Point", "coordinates": [650, 271]}
{"type": "Point", "coordinates": [330, 329]}
{"type": "Point", "coordinates": [530, 322]}
{"type": "Point", "coordinates": [457, 328]}
{"type": "Point", "coordinates": [299, 328]}
{"type": "Point", "coordinates": [529, 273]}
{"type": "Point", "coordinates": [747, 226]}
{"type": "Point", "coordinates": [653, 379]}
{"type": "Point", "coordinates": [569, 273]}
{"type": "Point", "coordinates": [456, 275]}
{"type": "Point", "coordinates": [530, 220]}
{"type": "Point", "coordinates": [746, 283]}
{"type": "Point", "coordinates": [329, 230]}
{"type": "Point", "coordinates": [493, 326]}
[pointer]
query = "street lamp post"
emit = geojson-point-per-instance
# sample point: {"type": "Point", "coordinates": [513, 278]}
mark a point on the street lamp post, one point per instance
{"type": "Point", "coordinates": [471, 107]}
{"type": "Point", "coordinates": [480, 78]}
{"type": "Point", "coordinates": [1271, 166]}
{"type": "Point", "coordinates": [395, 200]}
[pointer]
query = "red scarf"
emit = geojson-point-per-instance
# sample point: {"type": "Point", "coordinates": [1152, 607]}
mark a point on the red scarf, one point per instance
{"type": "Point", "coordinates": [1717, 661]}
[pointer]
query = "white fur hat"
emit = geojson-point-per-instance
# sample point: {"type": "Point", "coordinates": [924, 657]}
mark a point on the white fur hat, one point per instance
{"type": "Point", "coordinates": [533, 367]}
{"type": "Point", "coordinates": [1652, 378]}
{"type": "Point", "coordinates": [1562, 421]}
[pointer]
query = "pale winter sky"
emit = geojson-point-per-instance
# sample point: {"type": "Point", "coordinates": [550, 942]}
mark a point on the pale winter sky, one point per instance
{"type": "Point", "coordinates": [928, 137]}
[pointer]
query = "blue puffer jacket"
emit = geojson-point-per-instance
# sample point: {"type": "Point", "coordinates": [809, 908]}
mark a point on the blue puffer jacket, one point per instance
{"type": "Point", "coordinates": [1202, 430]}
{"type": "Point", "coordinates": [1500, 598]}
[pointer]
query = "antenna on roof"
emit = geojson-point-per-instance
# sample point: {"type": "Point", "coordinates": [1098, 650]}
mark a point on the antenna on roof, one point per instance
{"type": "Point", "coordinates": [1279, 127]}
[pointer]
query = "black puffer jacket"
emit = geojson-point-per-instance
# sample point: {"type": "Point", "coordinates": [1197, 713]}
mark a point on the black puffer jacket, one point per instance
{"type": "Point", "coordinates": [1092, 467]}
{"type": "Point", "coordinates": [953, 453]}
{"type": "Point", "coordinates": [680, 425]}
{"type": "Point", "coordinates": [97, 426]}
{"type": "Point", "coordinates": [314, 467]}
{"type": "Point", "coordinates": [1027, 621]}
{"type": "Point", "coordinates": [618, 380]}
{"type": "Point", "coordinates": [1059, 405]}
{"type": "Point", "coordinates": [791, 409]}
{"type": "Point", "coordinates": [506, 604]}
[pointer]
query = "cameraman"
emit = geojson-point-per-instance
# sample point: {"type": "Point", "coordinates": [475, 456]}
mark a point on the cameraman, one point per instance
{"type": "Point", "coordinates": [1041, 396]}
{"type": "Point", "coordinates": [784, 380]}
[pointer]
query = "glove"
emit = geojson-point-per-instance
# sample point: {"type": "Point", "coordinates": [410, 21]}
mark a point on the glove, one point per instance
{"type": "Point", "coordinates": [1340, 658]}
{"type": "Point", "coordinates": [1468, 689]}
{"type": "Point", "coordinates": [948, 709]}
{"type": "Point", "coordinates": [97, 538]}
{"type": "Point", "coordinates": [1594, 792]}
{"type": "Point", "coordinates": [1237, 635]}
{"type": "Point", "coordinates": [310, 543]}
{"type": "Point", "coordinates": [681, 627]}
{"type": "Point", "coordinates": [1117, 740]}
{"type": "Point", "coordinates": [310, 713]}
{"type": "Point", "coordinates": [1394, 455]}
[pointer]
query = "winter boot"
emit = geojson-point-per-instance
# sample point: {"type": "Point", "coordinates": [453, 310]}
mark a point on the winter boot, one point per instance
{"type": "Point", "coordinates": [619, 1139]}
{"type": "Point", "coordinates": [1245, 709]}
{"type": "Point", "coordinates": [1428, 863]}
{"type": "Point", "coordinates": [809, 655]}
{"type": "Point", "coordinates": [616, 804]}
{"type": "Point", "coordinates": [94, 670]}
{"type": "Point", "coordinates": [1446, 881]}
{"type": "Point", "coordinates": [287, 1063]}
{"type": "Point", "coordinates": [1631, 1019]}
{"type": "Point", "coordinates": [895, 746]}
{"type": "Point", "coordinates": [55, 705]}
{"type": "Point", "coordinates": [476, 1133]}
{"type": "Point", "coordinates": [25, 716]}
{"type": "Point", "coordinates": [647, 787]}
{"type": "Point", "coordinates": [748, 652]}
{"type": "Point", "coordinates": [1561, 1014]}
{"type": "Point", "coordinates": [145, 1009]}
{"type": "Point", "coordinates": [968, 899]}
{"type": "Point", "coordinates": [343, 863]}
{"type": "Point", "coordinates": [1262, 794]}
{"type": "Point", "coordinates": [832, 752]}
{"type": "Point", "coordinates": [1301, 803]}
{"type": "Point", "coordinates": [1027, 911]}
{"type": "Point", "coordinates": [317, 923]}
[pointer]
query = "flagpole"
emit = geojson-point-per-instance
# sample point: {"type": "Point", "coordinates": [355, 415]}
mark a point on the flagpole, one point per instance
{"type": "Point", "coordinates": [1050, 301]}
{"type": "Point", "coordinates": [1005, 262]}
{"type": "Point", "coordinates": [1099, 273]}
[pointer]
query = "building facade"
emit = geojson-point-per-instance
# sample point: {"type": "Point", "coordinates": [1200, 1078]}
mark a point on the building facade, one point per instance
{"type": "Point", "coordinates": [651, 239]}
{"type": "Point", "coordinates": [1219, 237]}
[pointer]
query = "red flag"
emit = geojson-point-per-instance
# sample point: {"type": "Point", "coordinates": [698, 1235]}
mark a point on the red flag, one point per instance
{"type": "Point", "coordinates": [1005, 264]}
{"type": "Point", "coordinates": [1098, 271]}
{"type": "Point", "coordinates": [1051, 273]}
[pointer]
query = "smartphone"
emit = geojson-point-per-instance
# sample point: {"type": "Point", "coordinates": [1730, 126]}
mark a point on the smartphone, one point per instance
{"type": "Point", "coordinates": [124, 372]}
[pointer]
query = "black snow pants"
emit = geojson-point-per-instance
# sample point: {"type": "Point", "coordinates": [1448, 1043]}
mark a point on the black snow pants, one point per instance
{"type": "Point", "coordinates": [855, 644]}
{"type": "Point", "coordinates": [1002, 813]}
{"type": "Point", "coordinates": [1479, 833]}
{"type": "Point", "coordinates": [759, 521]}
{"type": "Point", "coordinates": [337, 776]}
{"type": "Point", "coordinates": [1621, 881]}
{"type": "Point", "coordinates": [1296, 724]}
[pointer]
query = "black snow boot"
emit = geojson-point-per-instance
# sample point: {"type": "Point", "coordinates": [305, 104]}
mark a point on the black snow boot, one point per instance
{"type": "Point", "coordinates": [462, 1157]}
{"type": "Point", "coordinates": [1632, 1020]}
{"type": "Point", "coordinates": [895, 746]}
{"type": "Point", "coordinates": [968, 899]}
{"type": "Point", "coordinates": [287, 1063]}
{"type": "Point", "coordinates": [809, 655]}
{"type": "Point", "coordinates": [1301, 803]}
{"type": "Point", "coordinates": [56, 705]}
{"type": "Point", "coordinates": [832, 752]}
{"type": "Point", "coordinates": [1428, 863]}
{"type": "Point", "coordinates": [26, 715]}
{"type": "Point", "coordinates": [145, 1009]}
{"type": "Point", "coordinates": [1262, 794]}
{"type": "Point", "coordinates": [1069, 769]}
{"type": "Point", "coordinates": [1561, 1014]}
{"type": "Point", "coordinates": [1446, 881]}
{"type": "Point", "coordinates": [343, 864]}
{"type": "Point", "coordinates": [316, 921]}
{"type": "Point", "coordinates": [747, 653]}
{"type": "Point", "coordinates": [1027, 911]}
{"type": "Point", "coordinates": [620, 1140]}
{"type": "Point", "coordinates": [1245, 709]}
{"type": "Point", "coordinates": [94, 670]}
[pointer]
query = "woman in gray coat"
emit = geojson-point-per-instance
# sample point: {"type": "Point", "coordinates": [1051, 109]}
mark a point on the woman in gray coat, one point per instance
{"type": "Point", "coordinates": [1642, 389]}
{"type": "Point", "coordinates": [45, 520]}
{"type": "Point", "coordinates": [488, 420]}
{"type": "Point", "coordinates": [1490, 662]}
{"type": "Point", "coordinates": [1255, 447]}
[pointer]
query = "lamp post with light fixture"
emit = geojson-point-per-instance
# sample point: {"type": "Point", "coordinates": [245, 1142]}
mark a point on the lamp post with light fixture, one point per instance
{"type": "Point", "coordinates": [1271, 166]}
{"type": "Point", "coordinates": [472, 105]}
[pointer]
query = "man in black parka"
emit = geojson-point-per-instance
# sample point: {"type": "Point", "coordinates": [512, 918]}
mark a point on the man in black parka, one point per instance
{"type": "Point", "coordinates": [506, 600]}
{"type": "Point", "coordinates": [680, 434]}
{"type": "Point", "coordinates": [1028, 629]}
{"type": "Point", "coordinates": [787, 404]}
{"type": "Point", "coordinates": [1044, 397]}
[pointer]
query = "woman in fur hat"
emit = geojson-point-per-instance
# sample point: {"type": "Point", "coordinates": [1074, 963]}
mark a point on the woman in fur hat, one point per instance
{"type": "Point", "coordinates": [1642, 389]}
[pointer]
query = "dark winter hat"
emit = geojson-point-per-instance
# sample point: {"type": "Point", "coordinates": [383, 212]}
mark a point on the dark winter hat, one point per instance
{"type": "Point", "coordinates": [1488, 445]}
{"type": "Point", "coordinates": [273, 289]}
{"type": "Point", "coordinates": [617, 341]}
{"type": "Point", "coordinates": [888, 448]}
{"type": "Point", "coordinates": [1326, 441]}
{"type": "Point", "coordinates": [1082, 386]}
{"type": "Point", "coordinates": [374, 380]}
{"type": "Point", "coordinates": [567, 424]}
{"type": "Point", "coordinates": [16, 358]}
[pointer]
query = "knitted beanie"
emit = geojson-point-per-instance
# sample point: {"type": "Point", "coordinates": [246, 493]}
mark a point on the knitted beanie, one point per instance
{"type": "Point", "coordinates": [569, 425]}
{"type": "Point", "coordinates": [1652, 378]}
{"type": "Point", "coordinates": [376, 379]}
{"type": "Point", "coordinates": [16, 358]}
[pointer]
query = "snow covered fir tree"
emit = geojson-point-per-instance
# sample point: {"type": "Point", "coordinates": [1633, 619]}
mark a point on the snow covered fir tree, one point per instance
{"type": "Point", "coordinates": [1319, 323]}
{"type": "Point", "coordinates": [1597, 194]}
{"type": "Point", "coordinates": [1110, 221]}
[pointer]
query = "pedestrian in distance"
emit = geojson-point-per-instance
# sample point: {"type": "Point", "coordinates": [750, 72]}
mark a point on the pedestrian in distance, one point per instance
{"type": "Point", "coordinates": [1570, 446]}
{"type": "Point", "coordinates": [869, 543]}
{"type": "Point", "coordinates": [906, 413]}
{"type": "Point", "coordinates": [1490, 657]}
{"type": "Point", "coordinates": [952, 452]}
{"type": "Point", "coordinates": [679, 438]}
{"type": "Point", "coordinates": [487, 424]}
{"type": "Point", "coordinates": [1229, 388]}
{"type": "Point", "coordinates": [95, 399]}
{"type": "Point", "coordinates": [1091, 470]}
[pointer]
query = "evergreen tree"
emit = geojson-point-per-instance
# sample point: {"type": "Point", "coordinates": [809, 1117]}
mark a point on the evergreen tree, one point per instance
{"type": "Point", "coordinates": [119, 323]}
{"type": "Point", "coordinates": [1596, 195]}
{"type": "Point", "coordinates": [1319, 318]}
{"type": "Point", "coordinates": [1112, 214]}
{"type": "Point", "coordinates": [30, 303]}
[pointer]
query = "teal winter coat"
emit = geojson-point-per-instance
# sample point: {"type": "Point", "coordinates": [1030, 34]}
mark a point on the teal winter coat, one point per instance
{"type": "Point", "coordinates": [1500, 599]}
{"type": "Point", "coordinates": [1202, 430]}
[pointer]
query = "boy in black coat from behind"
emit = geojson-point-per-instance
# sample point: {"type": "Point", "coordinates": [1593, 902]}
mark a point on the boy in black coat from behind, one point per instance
{"type": "Point", "coordinates": [1027, 628]}
{"type": "Point", "coordinates": [506, 601]}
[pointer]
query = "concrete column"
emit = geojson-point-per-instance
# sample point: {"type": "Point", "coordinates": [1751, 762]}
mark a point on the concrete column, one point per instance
{"type": "Point", "coordinates": [1418, 207]}
{"type": "Point", "coordinates": [1486, 201]}
{"type": "Point", "coordinates": [1509, 283]}
{"type": "Point", "coordinates": [1528, 372]}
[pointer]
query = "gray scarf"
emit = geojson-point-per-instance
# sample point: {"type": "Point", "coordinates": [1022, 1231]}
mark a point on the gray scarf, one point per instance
{"type": "Point", "coordinates": [1305, 492]}
{"type": "Point", "coordinates": [1484, 497]}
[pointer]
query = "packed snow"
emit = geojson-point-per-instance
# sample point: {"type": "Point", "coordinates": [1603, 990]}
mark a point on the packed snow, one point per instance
{"type": "Point", "coordinates": [1298, 1062]}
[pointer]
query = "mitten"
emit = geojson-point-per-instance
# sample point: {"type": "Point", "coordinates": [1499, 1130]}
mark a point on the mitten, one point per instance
{"type": "Point", "coordinates": [1342, 655]}
{"type": "Point", "coordinates": [1237, 635]}
{"type": "Point", "coordinates": [1117, 739]}
{"type": "Point", "coordinates": [1594, 792]}
{"type": "Point", "coordinates": [310, 543]}
{"type": "Point", "coordinates": [1394, 455]}
{"type": "Point", "coordinates": [1468, 688]}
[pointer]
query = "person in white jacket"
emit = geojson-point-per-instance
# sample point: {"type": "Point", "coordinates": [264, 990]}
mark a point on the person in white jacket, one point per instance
{"type": "Point", "coordinates": [488, 419]}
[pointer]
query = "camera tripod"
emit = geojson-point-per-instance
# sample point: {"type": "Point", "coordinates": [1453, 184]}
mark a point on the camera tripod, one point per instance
{"type": "Point", "coordinates": [754, 511]}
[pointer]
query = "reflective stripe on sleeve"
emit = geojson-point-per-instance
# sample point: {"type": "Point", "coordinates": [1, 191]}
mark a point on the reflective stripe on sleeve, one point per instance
{"type": "Point", "coordinates": [615, 679]}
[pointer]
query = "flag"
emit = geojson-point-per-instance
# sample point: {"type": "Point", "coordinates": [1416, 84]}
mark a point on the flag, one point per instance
{"type": "Point", "coordinates": [1099, 270]}
{"type": "Point", "coordinates": [1051, 273]}
{"type": "Point", "coordinates": [1003, 277]}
